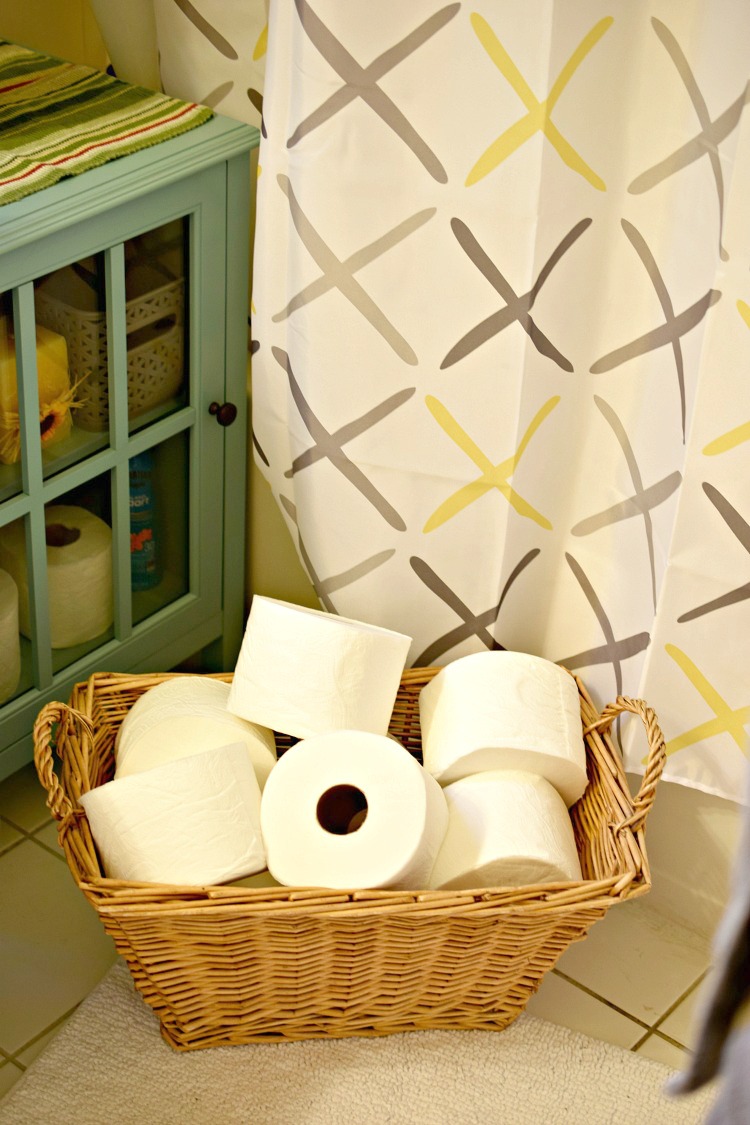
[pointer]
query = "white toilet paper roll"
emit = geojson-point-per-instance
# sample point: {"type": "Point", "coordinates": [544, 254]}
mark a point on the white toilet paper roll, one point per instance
{"type": "Point", "coordinates": [504, 710]}
{"type": "Point", "coordinates": [79, 573]}
{"type": "Point", "coordinates": [195, 821]}
{"type": "Point", "coordinates": [187, 715]}
{"type": "Point", "coordinates": [506, 828]}
{"type": "Point", "coordinates": [175, 697]}
{"type": "Point", "coordinates": [10, 644]}
{"type": "Point", "coordinates": [303, 672]}
{"type": "Point", "coordinates": [352, 809]}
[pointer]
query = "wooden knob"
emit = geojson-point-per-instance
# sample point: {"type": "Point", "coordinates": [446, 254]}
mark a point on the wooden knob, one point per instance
{"type": "Point", "coordinates": [225, 412]}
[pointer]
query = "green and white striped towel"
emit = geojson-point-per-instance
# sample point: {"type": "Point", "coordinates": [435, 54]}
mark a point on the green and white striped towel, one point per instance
{"type": "Point", "coordinates": [58, 118]}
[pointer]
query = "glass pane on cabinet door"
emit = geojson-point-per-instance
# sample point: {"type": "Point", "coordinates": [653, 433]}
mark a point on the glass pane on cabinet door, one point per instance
{"type": "Point", "coordinates": [11, 437]}
{"type": "Point", "coordinates": [156, 322]}
{"type": "Point", "coordinates": [79, 571]}
{"type": "Point", "coordinates": [70, 311]}
{"type": "Point", "coordinates": [16, 674]}
{"type": "Point", "coordinates": [159, 526]}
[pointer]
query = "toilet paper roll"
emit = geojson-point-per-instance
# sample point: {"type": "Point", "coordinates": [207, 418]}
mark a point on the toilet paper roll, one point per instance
{"type": "Point", "coordinates": [10, 644]}
{"type": "Point", "coordinates": [352, 809]}
{"type": "Point", "coordinates": [504, 710]}
{"type": "Point", "coordinates": [304, 672]}
{"type": "Point", "coordinates": [183, 716]}
{"type": "Point", "coordinates": [194, 821]}
{"type": "Point", "coordinates": [79, 573]}
{"type": "Point", "coordinates": [506, 828]}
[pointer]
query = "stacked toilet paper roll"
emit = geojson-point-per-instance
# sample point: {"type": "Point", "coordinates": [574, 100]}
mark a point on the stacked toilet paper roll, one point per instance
{"type": "Point", "coordinates": [504, 710]}
{"type": "Point", "coordinates": [194, 821]}
{"type": "Point", "coordinates": [304, 672]}
{"type": "Point", "coordinates": [505, 828]}
{"type": "Point", "coordinates": [10, 644]}
{"type": "Point", "coordinates": [79, 573]}
{"type": "Point", "coordinates": [502, 733]}
{"type": "Point", "coordinates": [183, 716]}
{"type": "Point", "coordinates": [352, 809]}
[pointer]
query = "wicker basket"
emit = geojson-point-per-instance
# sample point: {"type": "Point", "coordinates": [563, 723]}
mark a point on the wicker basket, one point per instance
{"type": "Point", "coordinates": [228, 964]}
{"type": "Point", "coordinates": [154, 322]}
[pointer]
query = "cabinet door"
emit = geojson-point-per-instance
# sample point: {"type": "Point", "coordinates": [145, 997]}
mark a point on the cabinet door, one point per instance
{"type": "Point", "coordinates": [112, 349]}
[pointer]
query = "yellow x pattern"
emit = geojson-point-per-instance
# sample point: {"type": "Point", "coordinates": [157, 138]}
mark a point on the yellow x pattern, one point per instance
{"type": "Point", "coordinates": [261, 45]}
{"type": "Point", "coordinates": [728, 441]}
{"type": "Point", "coordinates": [538, 117]}
{"type": "Point", "coordinates": [727, 720]}
{"type": "Point", "coordinates": [493, 476]}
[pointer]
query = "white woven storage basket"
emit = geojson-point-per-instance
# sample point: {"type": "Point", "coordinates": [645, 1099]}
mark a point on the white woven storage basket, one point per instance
{"type": "Point", "coordinates": [154, 322]}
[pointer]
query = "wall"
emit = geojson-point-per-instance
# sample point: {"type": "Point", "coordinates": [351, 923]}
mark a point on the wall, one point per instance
{"type": "Point", "coordinates": [61, 27]}
{"type": "Point", "coordinates": [691, 841]}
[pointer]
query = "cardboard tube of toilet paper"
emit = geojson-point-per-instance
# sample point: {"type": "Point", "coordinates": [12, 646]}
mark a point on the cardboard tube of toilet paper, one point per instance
{"type": "Point", "coordinates": [79, 573]}
{"type": "Point", "coordinates": [506, 828]}
{"type": "Point", "coordinates": [10, 645]}
{"type": "Point", "coordinates": [504, 710]}
{"type": "Point", "coordinates": [304, 672]}
{"type": "Point", "coordinates": [183, 716]}
{"type": "Point", "coordinates": [194, 821]}
{"type": "Point", "coordinates": [352, 809]}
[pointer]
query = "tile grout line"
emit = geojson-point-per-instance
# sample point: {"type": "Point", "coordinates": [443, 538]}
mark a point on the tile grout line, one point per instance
{"type": "Point", "coordinates": [602, 999]}
{"type": "Point", "coordinates": [39, 1035]}
{"type": "Point", "coordinates": [650, 1029]}
{"type": "Point", "coordinates": [12, 1062]}
{"type": "Point", "coordinates": [26, 834]}
{"type": "Point", "coordinates": [688, 992]}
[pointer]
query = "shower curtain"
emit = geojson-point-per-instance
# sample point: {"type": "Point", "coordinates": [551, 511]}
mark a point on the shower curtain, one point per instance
{"type": "Point", "coordinates": [501, 334]}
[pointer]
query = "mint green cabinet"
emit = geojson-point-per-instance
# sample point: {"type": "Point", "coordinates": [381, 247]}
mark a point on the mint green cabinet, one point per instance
{"type": "Point", "coordinates": [123, 342]}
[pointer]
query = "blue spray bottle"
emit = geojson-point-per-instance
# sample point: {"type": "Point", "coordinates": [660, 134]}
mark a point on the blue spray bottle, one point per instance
{"type": "Point", "coordinates": [145, 568]}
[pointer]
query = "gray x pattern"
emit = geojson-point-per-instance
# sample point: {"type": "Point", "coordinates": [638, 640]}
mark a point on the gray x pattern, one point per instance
{"type": "Point", "coordinates": [362, 81]}
{"type": "Point", "coordinates": [705, 143]}
{"type": "Point", "coordinates": [339, 274]}
{"type": "Point", "coordinates": [324, 587]}
{"type": "Point", "coordinates": [613, 651]}
{"type": "Point", "coordinates": [640, 503]}
{"type": "Point", "coordinates": [472, 624]}
{"type": "Point", "coordinates": [328, 445]}
{"type": "Point", "coordinates": [517, 308]}
{"type": "Point", "coordinates": [670, 332]}
{"type": "Point", "coordinates": [741, 529]}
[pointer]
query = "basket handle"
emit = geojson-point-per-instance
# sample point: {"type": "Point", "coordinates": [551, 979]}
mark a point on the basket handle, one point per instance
{"type": "Point", "coordinates": [58, 801]}
{"type": "Point", "coordinates": [655, 761]}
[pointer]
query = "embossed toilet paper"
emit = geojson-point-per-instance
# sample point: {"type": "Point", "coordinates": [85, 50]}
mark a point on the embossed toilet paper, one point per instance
{"type": "Point", "coordinates": [506, 828]}
{"type": "Point", "coordinates": [303, 672]}
{"type": "Point", "coordinates": [194, 821]}
{"type": "Point", "coordinates": [186, 715]}
{"type": "Point", "coordinates": [504, 710]}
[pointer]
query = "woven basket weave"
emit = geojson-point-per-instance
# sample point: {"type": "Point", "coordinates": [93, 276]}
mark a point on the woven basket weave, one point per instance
{"type": "Point", "coordinates": [227, 964]}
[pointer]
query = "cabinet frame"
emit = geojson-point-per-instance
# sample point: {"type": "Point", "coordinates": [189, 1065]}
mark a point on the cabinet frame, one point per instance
{"type": "Point", "coordinates": [205, 175]}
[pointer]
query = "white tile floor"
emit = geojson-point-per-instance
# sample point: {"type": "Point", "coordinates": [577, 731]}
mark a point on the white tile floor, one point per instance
{"type": "Point", "coordinates": [632, 982]}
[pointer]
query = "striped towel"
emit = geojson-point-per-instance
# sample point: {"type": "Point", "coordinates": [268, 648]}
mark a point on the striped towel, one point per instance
{"type": "Point", "coordinates": [58, 119]}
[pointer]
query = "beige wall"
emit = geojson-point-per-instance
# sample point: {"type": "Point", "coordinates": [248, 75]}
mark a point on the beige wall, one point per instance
{"type": "Point", "coordinates": [61, 27]}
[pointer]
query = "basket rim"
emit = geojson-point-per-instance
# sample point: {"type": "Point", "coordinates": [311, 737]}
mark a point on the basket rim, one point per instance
{"type": "Point", "coordinates": [144, 899]}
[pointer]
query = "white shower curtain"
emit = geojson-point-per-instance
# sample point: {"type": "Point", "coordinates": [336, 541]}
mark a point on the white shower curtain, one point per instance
{"type": "Point", "coordinates": [501, 321]}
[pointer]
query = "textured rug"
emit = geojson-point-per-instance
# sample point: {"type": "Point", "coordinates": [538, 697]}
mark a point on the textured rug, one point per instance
{"type": "Point", "coordinates": [110, 1066]}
